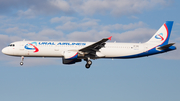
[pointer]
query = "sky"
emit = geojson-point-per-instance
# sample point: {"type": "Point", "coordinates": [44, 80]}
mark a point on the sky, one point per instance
{"type": "Point", "coordinates": [153, 78]}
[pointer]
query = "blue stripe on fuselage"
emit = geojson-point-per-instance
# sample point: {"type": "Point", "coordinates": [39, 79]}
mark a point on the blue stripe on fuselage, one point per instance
{"type": "Point", "coordinates": [148, 53]}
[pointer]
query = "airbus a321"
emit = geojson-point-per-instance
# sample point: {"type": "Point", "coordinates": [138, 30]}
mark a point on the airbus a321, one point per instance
{"type": "Point", "coordinates": [72, 52]}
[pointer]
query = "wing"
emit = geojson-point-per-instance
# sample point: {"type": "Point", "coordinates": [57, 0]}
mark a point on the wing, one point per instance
{"type": "Point", "coordinates": [95, 47]}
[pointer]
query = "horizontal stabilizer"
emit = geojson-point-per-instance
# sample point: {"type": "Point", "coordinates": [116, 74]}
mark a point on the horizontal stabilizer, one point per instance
{"type": "Point", "coordinates": [165, 46]}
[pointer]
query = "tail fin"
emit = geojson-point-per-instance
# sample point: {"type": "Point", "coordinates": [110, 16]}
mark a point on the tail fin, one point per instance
{"type": "Point", "coordinates": [161, 37]}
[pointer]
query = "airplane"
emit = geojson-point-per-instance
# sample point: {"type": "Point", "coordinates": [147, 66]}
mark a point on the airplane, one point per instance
{"type": "Point", "coordinates": [73, 52]}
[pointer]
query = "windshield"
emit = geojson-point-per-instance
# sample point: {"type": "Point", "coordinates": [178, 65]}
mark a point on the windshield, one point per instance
{"type": "Point", "coordinates": [11, 45]}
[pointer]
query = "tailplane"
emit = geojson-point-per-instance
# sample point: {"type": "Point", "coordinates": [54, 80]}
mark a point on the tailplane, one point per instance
{"type": "Point", "coordinates": [161, 37]}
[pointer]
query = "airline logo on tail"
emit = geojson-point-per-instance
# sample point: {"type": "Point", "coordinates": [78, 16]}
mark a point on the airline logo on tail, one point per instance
{"type": "Point", "coordinates": [159, 36]}
{"type": "Point", "coordinates": [32, 46]}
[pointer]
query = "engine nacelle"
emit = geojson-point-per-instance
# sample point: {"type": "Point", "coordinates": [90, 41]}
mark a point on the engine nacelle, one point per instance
{"type": "Point", "coordinates": [72, 61]}
{"type": "Point", "coordinates": [70, 55]}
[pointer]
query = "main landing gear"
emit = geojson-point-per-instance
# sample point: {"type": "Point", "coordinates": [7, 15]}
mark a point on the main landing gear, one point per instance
{"type": "Point", "coordinates": [89, 63]}
{"type": "Point", "coordinates": [22, 58]}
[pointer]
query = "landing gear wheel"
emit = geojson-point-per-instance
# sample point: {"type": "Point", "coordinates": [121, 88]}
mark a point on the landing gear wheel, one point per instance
{"type": "Point", "coordinates": [22, 59]}
{"type": "Point", "coordinates": [21, 63]}
{"type": "Point", "coordinates": [88, 66]}
{"type": "Point", "coordinates": [89, 62]}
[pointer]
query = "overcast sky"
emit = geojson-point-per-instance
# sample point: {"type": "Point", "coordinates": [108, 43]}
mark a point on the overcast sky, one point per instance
{"type": "Point", "coordinates": [154, 78]}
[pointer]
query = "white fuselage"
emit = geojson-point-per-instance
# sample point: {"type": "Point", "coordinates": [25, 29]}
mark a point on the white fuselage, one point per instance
{"type": "Point", "coordinates": [73, 52]}
{"type": "Point", "coordinates": [54, 49]}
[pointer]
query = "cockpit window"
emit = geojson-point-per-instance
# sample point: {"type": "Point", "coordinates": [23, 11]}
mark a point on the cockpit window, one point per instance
{"type": "Point", "coordinates": [11, 45]}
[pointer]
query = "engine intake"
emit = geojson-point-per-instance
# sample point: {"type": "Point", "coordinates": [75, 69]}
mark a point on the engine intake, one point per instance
{"type": "Point", "coordinates": [70, 55]}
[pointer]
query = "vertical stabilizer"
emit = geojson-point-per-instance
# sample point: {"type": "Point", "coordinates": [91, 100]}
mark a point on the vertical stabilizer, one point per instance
{"type": "Point", "coordinates": [161, 37]}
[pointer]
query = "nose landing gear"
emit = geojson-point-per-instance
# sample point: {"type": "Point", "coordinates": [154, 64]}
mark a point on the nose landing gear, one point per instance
{"type": "Point", "coordinates": [22, 58]}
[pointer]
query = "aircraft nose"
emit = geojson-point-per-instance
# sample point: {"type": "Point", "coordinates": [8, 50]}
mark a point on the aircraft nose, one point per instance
{"type": "Point", "coordinates": [5, 50]}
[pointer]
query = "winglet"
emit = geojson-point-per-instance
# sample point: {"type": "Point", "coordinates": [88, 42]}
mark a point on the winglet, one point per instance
{"type": "Point", "coordinates": [110, 37]}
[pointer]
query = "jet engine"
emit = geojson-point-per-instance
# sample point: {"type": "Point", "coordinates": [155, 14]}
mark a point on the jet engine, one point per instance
{"type": "Point", "coordinates": [72, 61]}
{"type": "Point", "coordinates": [71, 57]}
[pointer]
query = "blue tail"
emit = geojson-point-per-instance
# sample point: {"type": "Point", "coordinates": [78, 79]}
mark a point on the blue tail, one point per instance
{"type": "Point", "coordinates": [168, 25]}
{"type": "Point", "coordinates": [161, 37]}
